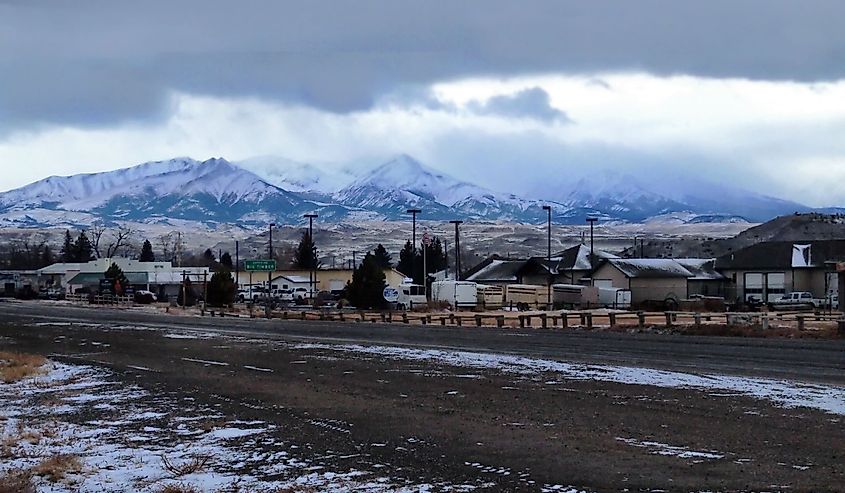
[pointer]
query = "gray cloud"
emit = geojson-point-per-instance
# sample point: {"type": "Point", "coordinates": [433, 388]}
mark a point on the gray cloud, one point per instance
{"type": "Point", "coordinates": [97, 61]}
{"type": "Point", "coordinates": [529, 103]}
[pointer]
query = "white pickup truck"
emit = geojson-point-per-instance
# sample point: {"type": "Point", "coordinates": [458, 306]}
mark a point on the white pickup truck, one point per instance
{"type": "Point", "coordinates": [799, 300]}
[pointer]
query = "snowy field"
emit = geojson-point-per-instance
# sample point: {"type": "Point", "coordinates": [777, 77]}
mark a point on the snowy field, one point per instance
{"type": "Point", "coordinates": [113, 437]}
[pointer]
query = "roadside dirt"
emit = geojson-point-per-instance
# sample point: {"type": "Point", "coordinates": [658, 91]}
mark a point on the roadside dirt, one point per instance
{"type": "Point", "coordinates": [422, 420]}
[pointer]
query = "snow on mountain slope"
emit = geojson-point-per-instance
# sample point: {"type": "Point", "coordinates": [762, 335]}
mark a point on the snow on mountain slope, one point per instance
{"type": "Point", "coordinates": [404, 183]}
{"type": "Point", "coordinates": [296, 176]}
{"type": "Point", "coordinates": [183, 176]}
{"type": "Point", "coordinates": [634, 198]}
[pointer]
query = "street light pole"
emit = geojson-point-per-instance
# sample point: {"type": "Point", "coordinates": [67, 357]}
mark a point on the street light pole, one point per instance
{"type": "Point", "coordinates": [457, 249]}
{"type": "Point", "coordinates": [548, 209]}
{"type": "Point", "coordinates": [270, 273]}
{"type": "Point", "coordinates": [592, 221]}
{"type": "Point", "coordinates": [413, 213]}
{"type": "Point", "coordinates": [311, 274]}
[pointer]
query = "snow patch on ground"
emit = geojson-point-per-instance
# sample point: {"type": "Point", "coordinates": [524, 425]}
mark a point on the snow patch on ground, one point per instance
{"type": "Point", "coordinates": [784, 393]}
{"type": "Point", "coordinates": [144, 441]}
{"type": "Point", "coordinates": [658, 448]}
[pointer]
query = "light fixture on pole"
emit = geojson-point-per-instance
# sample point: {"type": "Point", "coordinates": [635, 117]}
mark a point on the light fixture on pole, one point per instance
{"type": "Point", "coordinates": [457, 223]}
{"type": "Point", "coordinates": [413, 213]}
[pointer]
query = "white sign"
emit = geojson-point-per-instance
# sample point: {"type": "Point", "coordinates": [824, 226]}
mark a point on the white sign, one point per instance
{"type": "Point", "coordinates": [391, 295]}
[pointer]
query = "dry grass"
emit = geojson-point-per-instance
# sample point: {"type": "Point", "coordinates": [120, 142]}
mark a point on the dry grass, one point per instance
{"type": "Point", "coordinates": [56, 468]}
{"type": "Point", "coordinates": [17, 481]}
{"type": "Point", "coordinates": [17, 366]}
{"type": "Point", "coordinates": [193, 465]}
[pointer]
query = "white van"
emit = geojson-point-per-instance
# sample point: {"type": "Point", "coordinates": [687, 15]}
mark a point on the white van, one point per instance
{"type": "Point", "coordinates": [411, 295]}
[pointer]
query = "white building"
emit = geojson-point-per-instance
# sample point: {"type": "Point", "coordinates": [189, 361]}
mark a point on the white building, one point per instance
{"type": "Point", "coordinates": [159, 277]}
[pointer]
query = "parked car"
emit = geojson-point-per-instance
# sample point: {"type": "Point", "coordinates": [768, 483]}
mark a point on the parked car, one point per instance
{"type": "Point", "coordinates": [799, 300]}
{"type": "Point", "coordinates": [299, 294]}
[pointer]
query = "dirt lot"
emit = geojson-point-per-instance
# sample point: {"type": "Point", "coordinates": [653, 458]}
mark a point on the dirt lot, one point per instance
{"type": "Point", "coordinates": [413, 421]}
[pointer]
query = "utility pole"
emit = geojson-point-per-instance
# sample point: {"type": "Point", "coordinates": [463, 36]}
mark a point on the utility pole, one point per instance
{"type": "Point", "coordinates": [592, 221]}
{"type": "Point", "coordinates": [270, 273]}
{"type": "Point", "coordinates": [413, 213]}
{"type": "Point", "coordinates": [313, 260]}
{"type": "Point", "coordinates": [457, 223]}
{"type": "Point", "coordinates": [237, 265]}
{"type": "Point", "coordinates": [548, 209]}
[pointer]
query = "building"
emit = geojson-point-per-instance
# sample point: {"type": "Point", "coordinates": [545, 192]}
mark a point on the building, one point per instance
{"type": "Point", "coordinates": [705, 280]}
{"type": "Point", "coordinates": [768, 270]}
{"type": "Point", "coordinates": [496, 271]}
{"type": "Point", "coordinates": [571, 266]}
{"type": "Point", "coordinates": [159, 277]}
{"type": "Point", "coordinates": [332, 280]}
{"type": "Point", "coordinates": [649, 280]}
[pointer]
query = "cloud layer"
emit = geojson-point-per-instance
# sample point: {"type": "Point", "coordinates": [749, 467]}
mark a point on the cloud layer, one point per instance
{"type": "Point", "coordinates": [534, 93]}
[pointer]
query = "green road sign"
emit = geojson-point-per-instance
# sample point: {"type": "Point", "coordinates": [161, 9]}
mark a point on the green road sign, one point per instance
{"type": "Point", "coordinates": [260, 265]}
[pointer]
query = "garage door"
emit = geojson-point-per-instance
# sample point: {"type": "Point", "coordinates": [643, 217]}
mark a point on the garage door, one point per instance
{"type": "Point", "coordinates": [775, 285]}
{"type": "Point", "coordinates": [753, 286]}
{"type": "Point", "coordinates": [336, 285]}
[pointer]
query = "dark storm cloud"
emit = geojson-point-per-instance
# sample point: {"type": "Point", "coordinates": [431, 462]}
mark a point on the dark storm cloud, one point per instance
{"type": "Point", "coordinates": [529, 103]}
{"type": "Point", "coordinates": [93, 62]}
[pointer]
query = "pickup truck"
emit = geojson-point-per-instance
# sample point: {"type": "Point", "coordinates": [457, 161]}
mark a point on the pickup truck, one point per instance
{"type": "Point", "coordinates": [799, 300]}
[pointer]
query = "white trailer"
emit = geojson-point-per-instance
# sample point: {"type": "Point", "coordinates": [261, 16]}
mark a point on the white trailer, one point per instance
{"type": "Point", "coordinates": [614, 298]}
{"type": "Point", "coordinates": [458, 294]}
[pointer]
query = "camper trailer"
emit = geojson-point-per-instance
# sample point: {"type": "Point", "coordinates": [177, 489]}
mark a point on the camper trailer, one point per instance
{"type": "Point", "coordinates": [458, 294]}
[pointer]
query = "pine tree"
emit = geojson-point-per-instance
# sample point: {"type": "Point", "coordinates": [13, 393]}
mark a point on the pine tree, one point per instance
{"type": "Point", "coordinates": [118, 279]}
{"type": "Point", "coordinates": [406, 259]}
{"type": "Point", "coordinates": [68, 251]}
{"type": "Point", "coordinates": [226, 261]}
{"type": "Point", "coordinates": [221, 288]}
{"type": "Point", "coordinates": [208, 258]}
{"type": "Point", "coordinates": [382, 257]}
{"type": "Point", "coordinates": [47, 256]}
{"type": "Point", "coordinates": [367, 287]}
{"type": "Point", "coordinates": [83, 250]}
{"type": "Point", "coordinates": [147, 254]}
{"type": "Point", "coordinates": [186, 296]}
{"type": "Point", "coordinates": [306, 253]}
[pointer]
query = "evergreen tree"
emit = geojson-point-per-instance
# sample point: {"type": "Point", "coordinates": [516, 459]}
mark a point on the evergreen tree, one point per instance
{"type": "Point", "coordinates": [382, 257]}
{"type": "Point", "coordinates": [208, 258]}
{"type": "Point", "coordinates": [47, 256]}
{"type": "Point", "coordinates": [226, 261]}
{"type": "Point", "coordinates": [147, 254]}
{"type": "Point", "coordinates": [186, 296]}
{"type": "Point", "coordinates": [83, 250]}
{"type": "Point", "coordinates": [68, 251]}
{"type": "Point", "coordinates": [406, 259]}
{"type": "Point", "coordinates": [221, 289]}
{"type": "Point", "coordinates": [367, 287]}
{"type": "Point", "coordinates": [118, 279]}
{"type": "Point", "coordinates": [306, 253]}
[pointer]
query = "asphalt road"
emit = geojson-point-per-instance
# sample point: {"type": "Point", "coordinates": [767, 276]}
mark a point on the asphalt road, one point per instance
{"type": "Point", "coordinates": [814, 361]}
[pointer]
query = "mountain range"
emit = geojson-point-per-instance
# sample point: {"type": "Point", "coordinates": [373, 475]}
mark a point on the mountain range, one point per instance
{"type": "Point", "coordinates": [258, 191]}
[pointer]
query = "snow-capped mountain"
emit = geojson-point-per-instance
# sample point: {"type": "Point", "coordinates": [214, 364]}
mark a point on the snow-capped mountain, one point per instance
{"type": "Point", "coordinates": [258, 191]}
{"type": "Point", "coordinates": [403, 183]}
{"type": "Point", "coordinates": [296, 176]}
{"type": "Point", "coordinates": [213, 191]}
{"type": "Point", "coordinates": [630, 198]}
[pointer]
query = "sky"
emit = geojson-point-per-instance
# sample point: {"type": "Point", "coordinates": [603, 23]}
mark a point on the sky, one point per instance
{"type": "Point", "coordinates": [516, 96]}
